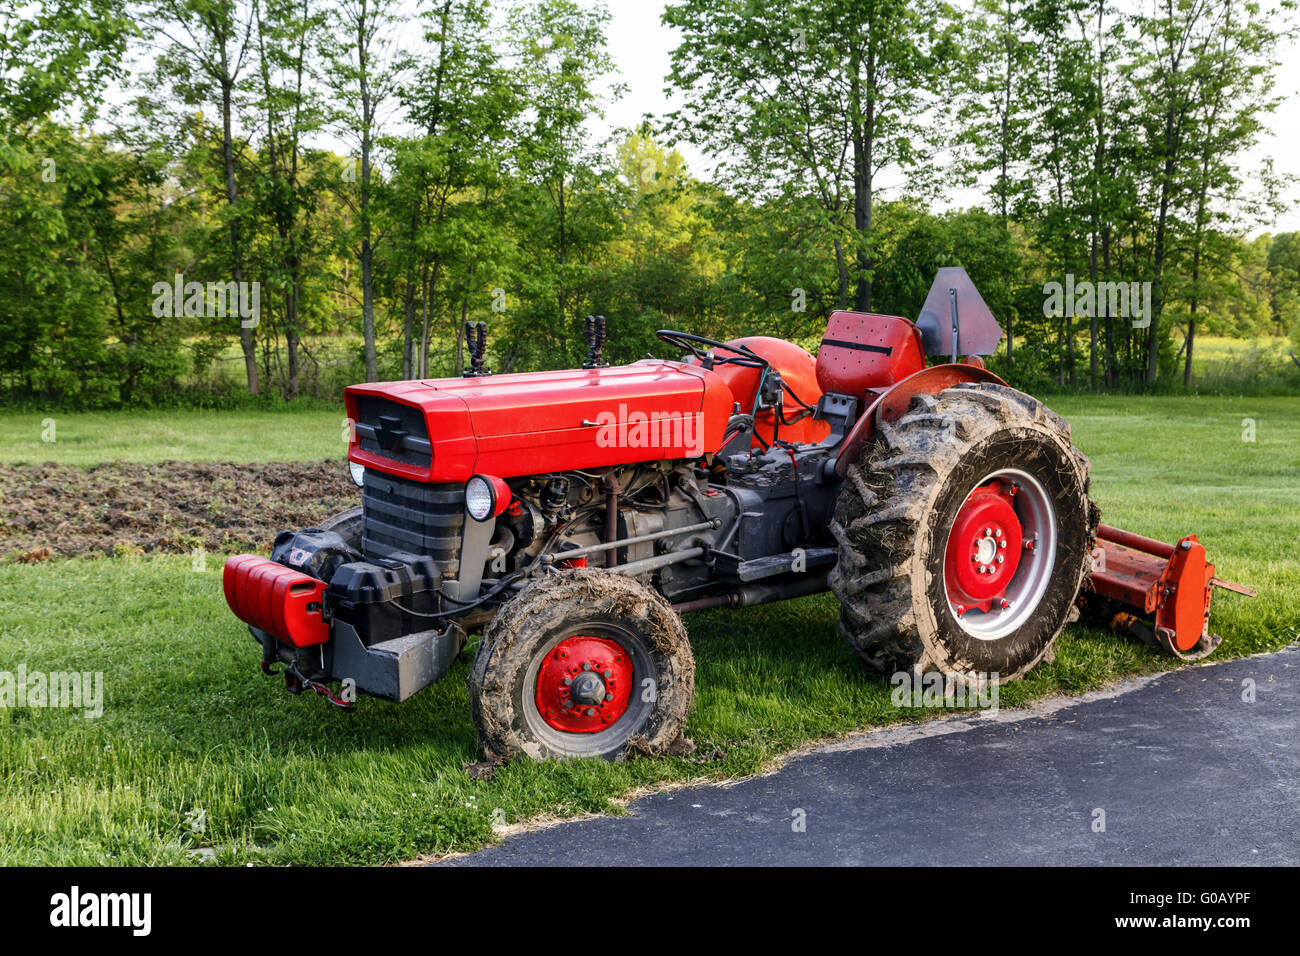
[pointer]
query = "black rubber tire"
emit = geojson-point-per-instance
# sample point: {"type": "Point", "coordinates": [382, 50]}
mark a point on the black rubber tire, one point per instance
{"type": "Point", "coordinates": [897, 504]}
{"type": "Point", "coordinates": [560, 605]}
{"type": "Point", "coordinates": [346, 524]}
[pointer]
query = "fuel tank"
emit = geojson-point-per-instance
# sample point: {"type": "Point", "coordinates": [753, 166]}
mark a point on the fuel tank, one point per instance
{"type": "Point", "coordinates": [798, 373]}
{"type": "Point", "coordinates": [445, 430]}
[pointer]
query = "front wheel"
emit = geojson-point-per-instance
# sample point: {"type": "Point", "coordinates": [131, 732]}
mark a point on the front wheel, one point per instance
{"type": "Point", "coordinates": [964, 534]}
{"type": "Point", "coordinates": [582, 663]}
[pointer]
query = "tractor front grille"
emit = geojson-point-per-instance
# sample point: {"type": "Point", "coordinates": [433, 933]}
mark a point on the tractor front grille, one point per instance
{"type": "Point", "coordinates": [403, 515]}
{"type": "Point", "coordinates": [410, 432]}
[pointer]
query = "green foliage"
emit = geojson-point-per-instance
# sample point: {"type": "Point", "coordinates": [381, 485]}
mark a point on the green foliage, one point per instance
{"type": "Point", "coordinates": [473, 190]}
{"type": "Point", "coordinates": [56, 52]}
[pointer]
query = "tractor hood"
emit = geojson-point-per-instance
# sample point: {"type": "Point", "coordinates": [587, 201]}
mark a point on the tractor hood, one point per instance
{"type": "Point", "coordinates": [447, 429]}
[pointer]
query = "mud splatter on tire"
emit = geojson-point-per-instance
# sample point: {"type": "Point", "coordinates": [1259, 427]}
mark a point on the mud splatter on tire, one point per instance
{"type": "Point", "coordinates": [897, 505]}
{"type": "Point", "coordinates": [558, 606]}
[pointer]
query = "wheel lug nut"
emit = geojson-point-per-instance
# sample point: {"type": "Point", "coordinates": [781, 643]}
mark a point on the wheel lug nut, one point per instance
{"type": "Point", "coordinates": [568, 681]}
{"type": "Point", "coordinates": [997, 533]}
{"type": "Point", "coordinates": [1002, 544]}
{"type": "Point", "coordinates": [609, 696]}
{"type": "Point", "coordinates": [987, 532]}
{"type": "Point", "coordinates": [591, 711]}
{"type": "Point", "coordinates": [1001, 559]}
{"type": "Point", "coordinates": [608, 673]}
{"type": "Point", "coordinates": [568, 705]}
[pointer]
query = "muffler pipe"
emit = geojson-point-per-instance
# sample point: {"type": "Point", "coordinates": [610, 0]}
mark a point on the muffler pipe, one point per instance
{"type": "Point", "coordinates": [763, 592]}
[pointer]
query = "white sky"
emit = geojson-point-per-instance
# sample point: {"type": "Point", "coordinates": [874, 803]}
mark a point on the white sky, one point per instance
{"type": "Point", "coordinates": [640, 45]}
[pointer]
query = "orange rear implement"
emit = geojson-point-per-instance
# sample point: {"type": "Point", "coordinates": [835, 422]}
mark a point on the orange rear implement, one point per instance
{"type": "Point", "coordinates": [1159, 592]}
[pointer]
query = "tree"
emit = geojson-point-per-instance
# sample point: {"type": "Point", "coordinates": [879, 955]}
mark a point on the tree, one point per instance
{"type": "Point", "coordinates": [1176, 34]}
{"type": "Point", "coordinates": [204, 51]}
{"type": "Point", "coordinates": [996, 114]}
{"type": "Point", "coordinates": [562, 205]}
{"type": "Point", "coordinates": [1284, 272]}
{"type": "Point", "coordinates": [797, 99]}
{"type": "Point", "coordinates": [1232, 93]}
{"type": "Point", "coordinates": [445, 181]}
{"type": "Point", "coordinates": [57, 53]}
{"type": "Point", "coordinates": [1064, 100]}
{"type": "Point", "coordinates": [363, 73]}
{"type": "Point", "coordinates": [285, 33]}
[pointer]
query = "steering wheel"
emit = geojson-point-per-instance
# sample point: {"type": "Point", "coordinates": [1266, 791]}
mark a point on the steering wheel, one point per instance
{"type": "Point", "coordinates": [691, 343]}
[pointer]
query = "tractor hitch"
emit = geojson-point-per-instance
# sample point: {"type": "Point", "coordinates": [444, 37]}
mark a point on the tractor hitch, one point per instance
{"type": "Point", "coordinates": [1158, 592]}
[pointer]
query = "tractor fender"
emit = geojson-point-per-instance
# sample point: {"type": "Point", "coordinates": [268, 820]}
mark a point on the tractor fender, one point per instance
{"type": "Point", "coordinates": [893, 401]}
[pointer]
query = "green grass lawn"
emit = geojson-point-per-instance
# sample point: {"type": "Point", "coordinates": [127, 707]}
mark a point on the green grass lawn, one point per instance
{"type": "Point", "coordinates": [86, 438]}
{"type": "Point", "coordinates": [191, 731]}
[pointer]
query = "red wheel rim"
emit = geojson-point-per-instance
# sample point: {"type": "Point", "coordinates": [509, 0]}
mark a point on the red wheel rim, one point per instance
{"type": "Point", "coordinates": [984, 547]}
{"type": "Point", "coordinates": [584, 684]}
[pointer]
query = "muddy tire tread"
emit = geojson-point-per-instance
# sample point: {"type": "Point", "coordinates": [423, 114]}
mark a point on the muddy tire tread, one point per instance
{"type": "Point", "coordinates": [883, 500]}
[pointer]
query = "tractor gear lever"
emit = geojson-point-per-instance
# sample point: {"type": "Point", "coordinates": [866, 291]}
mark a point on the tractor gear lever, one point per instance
{"type": "Point", "coordinates": [595, 336]}
{"type": "Point", "coordinates": [476, 342]}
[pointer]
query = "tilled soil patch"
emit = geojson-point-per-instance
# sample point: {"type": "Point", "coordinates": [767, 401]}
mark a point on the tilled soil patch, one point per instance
{"type": "Point", "coordinates": [52, 511]}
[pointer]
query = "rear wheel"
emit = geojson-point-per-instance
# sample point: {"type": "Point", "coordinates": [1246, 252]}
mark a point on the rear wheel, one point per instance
{"type": "Point", "coordinates": [582, 664]}
{"type": "Point", "coordinates": [964, 534]}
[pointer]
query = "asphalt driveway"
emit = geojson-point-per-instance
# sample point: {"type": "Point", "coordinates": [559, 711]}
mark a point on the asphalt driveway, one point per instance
{"type": "Point", "coordinates": [1180, 769]}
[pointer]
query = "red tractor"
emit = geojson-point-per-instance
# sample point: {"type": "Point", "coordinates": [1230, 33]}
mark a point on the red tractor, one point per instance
{"type": "Point", "coordinates": [571, 517]}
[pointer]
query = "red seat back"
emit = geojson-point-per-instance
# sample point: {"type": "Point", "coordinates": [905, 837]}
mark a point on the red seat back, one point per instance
{"type": "Point", "coordinates": [862, 351]}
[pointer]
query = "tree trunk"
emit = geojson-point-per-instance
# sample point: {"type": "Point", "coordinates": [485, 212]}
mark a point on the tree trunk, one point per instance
{"type": "Point", "coordinates": [842, 271]}
{"type": "Point", "coordinates": [1004, 154]}
{"type": "Point", "coordinates": [1172, 140]}
{"type": "Point", "coordinates": [1191, 315]}
{"type": "Point", "coordinates": [1158, 284]}
{"type": "Point", "coordinates": [564, 257]}
{"type": "Point", "coordinates": [427, 283]}
{"type": "Point", "coordinates": [247, 341]}
{"type": "Point", "coordinates": [408, 322]}
{"type": "Point", "coordinates": [863, 147]}
{"type": "Point", "coordinates": [426, 305]}
{"type": "Point", "coordinates": [291, 346]}
{"type": "Point", "coordinates": [1109, 320]}
{"type": "Point", "coordinates": [367, 251]}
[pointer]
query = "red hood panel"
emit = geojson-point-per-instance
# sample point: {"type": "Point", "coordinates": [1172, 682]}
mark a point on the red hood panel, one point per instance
{"type": "Point", "coordinates": [533, 422]}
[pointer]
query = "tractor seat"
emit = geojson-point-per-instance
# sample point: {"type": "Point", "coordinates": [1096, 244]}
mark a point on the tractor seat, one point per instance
{"type": "Point", "coordinates": [862, 351]}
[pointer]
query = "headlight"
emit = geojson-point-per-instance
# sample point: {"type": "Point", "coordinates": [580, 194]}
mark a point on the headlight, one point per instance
{"type": "Point", "coordinates": [358, 473]}
{"type": "Point", "coordinates": [478, 498]}
{"type": "Point", "coordinates": [486, 496]}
